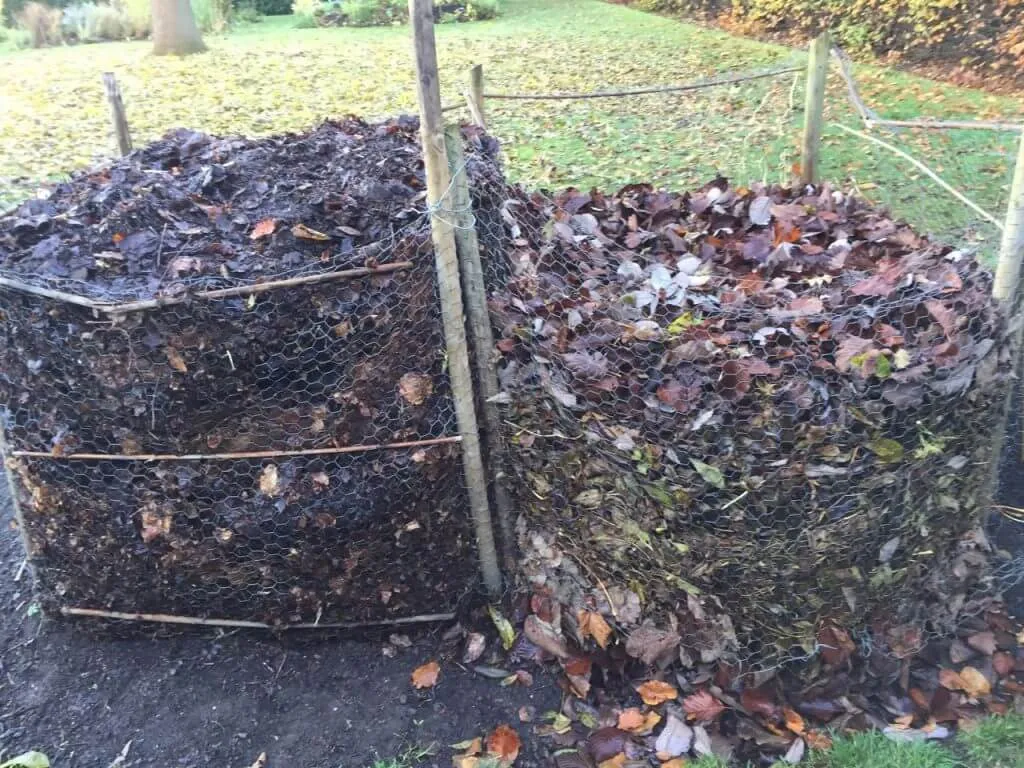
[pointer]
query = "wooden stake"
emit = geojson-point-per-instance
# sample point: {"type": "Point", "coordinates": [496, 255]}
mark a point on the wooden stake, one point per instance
{"type": "Point", "coordinates": [475, 292]}
{"type": "Point", "coordinates": [1011, 251]}
{"type": "Point", "coordinates": [19, 518]}
{"type": "Point", "coordinates": [169, 618]}
{"type": "Point", "coordinates": [117, 115]}
{"type": "Point", "coordinates": [476, 96]}
{"type": "Point", "coordinates": [435, 159]}
{"type": "Point", "coordinates": [814, 106]}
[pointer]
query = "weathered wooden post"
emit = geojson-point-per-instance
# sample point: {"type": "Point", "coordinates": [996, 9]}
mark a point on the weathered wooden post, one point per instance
{"type": "Point", "coordinates": [117, 114]}
{"type": "Point", "coordinates": [475, 96]}
{"type": "Point", "coordinates": [814, 106]}
{"type": "Point", "coordinates": [435, 159]}
{"type": "Point", "coordinates": [1011, 251]}
{"type": "Point", "coordinates": [482, 337]}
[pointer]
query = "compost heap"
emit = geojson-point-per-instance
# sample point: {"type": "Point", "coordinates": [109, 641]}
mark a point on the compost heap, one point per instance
{"type": "Point", "coordinates": [312, 366]}
{"type": "Point", "coordinates": [756, 420]}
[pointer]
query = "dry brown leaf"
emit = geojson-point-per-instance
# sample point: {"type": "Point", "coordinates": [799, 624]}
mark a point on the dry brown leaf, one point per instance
{"type": "Point", "coordinates": [760, 701]}
{"type": "Point", "coordinates": [176, 360]}
{"type": "Point", "coordinates": [631, 719]}
{"type": "Point", "coordinates": [655, 692]}
{"type": "Point", "coordinates": [702, 706]}
{"type": "Point", "coordinates": [593, 625]}
{"type": "Point", "coordinates": [614, 762]}
{"type": "Point", "coordinates": [793, 721]}
{"type": "Point", "coordinates": [263, 228]}
{"type": "Point", "coordinates": [303, 232]}
{"type": "Point", "coordinates": [415, 388]}
{"type": "Point", "coordinates": [1003, 663]}
{"type": "Point", "coordinates": [675, 762]}
{"type": "Point", "coordinates": [818, 740]}
{"type": "Point", "coordinates": [504, 744]}
{"type": "Point", "coordinates": [983, 642]}
{"type": "Point", "coordinates": [975, 683]}
{"type": "Point", "coordinates": [950, 678]}
{"type": "Point", "coordinates": [426, 675]}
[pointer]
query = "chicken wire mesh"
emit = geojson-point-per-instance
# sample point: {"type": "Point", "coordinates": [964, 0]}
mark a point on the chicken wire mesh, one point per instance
{"type": "Point", "coordinates": [225, 383]}
{"type": "Point", "coordinates": [759, 417]}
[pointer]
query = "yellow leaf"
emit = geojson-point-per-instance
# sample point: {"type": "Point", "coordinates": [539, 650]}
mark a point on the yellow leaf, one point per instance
{"type": "Point", "coordinates": [303, 232]}
{"type": "Point", "coordinates": [176, 360]}
{"type": "Point", "coordinates": [975, 683]}
{"type": "Point", "coordinates": [655, 692]}
{"type": "Point", "coordinates": [505, 630]}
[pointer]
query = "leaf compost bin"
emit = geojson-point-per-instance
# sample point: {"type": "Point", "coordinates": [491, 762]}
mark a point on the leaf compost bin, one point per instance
{"type": "Point", "coordinates": [758, 420]}
{"type": "Point", "coordinates": [224, 383]}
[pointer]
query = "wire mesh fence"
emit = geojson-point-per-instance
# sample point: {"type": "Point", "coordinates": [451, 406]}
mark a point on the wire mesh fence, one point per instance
{"type": "Point", "coordinates": [226, 388]}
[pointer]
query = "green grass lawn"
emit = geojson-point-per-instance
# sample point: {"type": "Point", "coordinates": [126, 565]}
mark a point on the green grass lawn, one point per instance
{"type": "Point", "coordinates": [271, 77]}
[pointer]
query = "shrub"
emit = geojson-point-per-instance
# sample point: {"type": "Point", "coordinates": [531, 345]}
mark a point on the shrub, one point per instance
{"type": "Point", "coordinates": [42, 24]}
{"type": "Point", "coordinates": [366, 13]}
{"type": "Point", "coordinates": [138, 17]}
{"type": "Point", "coordinates": [212, 15]}
{"type": "Point", "coordinates": [304, 10]}
{"type": "Point", "coordinates": [9, 9]}
{"type": "Point", "coordinates": [104, 22]}
{"type": "Point", "coordinates": [248, 13]}
{"type": "Point", "coordinates": [266, 7]}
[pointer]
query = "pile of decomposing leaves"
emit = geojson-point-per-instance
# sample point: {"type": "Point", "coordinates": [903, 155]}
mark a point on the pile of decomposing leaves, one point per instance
{"type": "Point", "coordinates": [748, 421]}
{"type": "Point", "coordinates": [136, 322]}
{"type": "Point", "coordinates": [619, 711]}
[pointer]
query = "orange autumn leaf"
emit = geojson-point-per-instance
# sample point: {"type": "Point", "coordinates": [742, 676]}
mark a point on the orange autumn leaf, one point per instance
{"type": "Point", "coordinates": [818, 740]}
{"type": "Point", "coordinates": [594, 625]}
{"type": "Point", "coordinates": [655, 692]}
{"type": "Point", "coordinates": [263, 228]}
{"type": "Point", "coordinates": [613, 762]}
{"type": "Point", "coordinates": [675, 762]}
{"type": "Point", "coordinates": [504, 744]}
{"type": "Point", "coordinates": [631, 719]}
{"type": "Point", "coordinates": [117, 237]}
{"type": "Point", "coordinates": [950, 679]}
{"type": "Point", "coordinates": [975, 683]}
{"type": "Point", "coordinates": [426, 676]}
{"type": "Point", "coordinates": [793, 721]}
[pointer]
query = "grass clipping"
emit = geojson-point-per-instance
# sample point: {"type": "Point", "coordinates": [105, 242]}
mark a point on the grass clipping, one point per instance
{"type": "Point", "coordinates": [749, 416]}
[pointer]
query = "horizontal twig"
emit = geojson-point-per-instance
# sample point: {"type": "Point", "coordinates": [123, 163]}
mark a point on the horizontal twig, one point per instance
{"type": "Point", "coordinates": [452, 107]}
{"type": "Point", "coordinates": [241, 455]}
{"type": "Point", "coordinates": [220, 293]}
{"type": "Point", "coordinates": [948, 125]}
{"type": "Point", "coordinates": [928, 172]}
{"type": "Point", "coordinates": [639, 91]}
{"type": "Point", "coordinates": [167, 618]}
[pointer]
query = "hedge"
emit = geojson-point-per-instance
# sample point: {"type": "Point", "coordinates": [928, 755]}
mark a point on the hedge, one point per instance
{"type": "Point", "coordinates": [266, 7]}
{"type": "Point", "coordinates": [986, 36]}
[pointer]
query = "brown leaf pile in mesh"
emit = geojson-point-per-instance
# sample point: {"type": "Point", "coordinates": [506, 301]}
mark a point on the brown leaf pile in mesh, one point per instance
{"type": "Point", "coordinates": [746, 414]}
{"type": "Point", "coordinates": [320, 366]}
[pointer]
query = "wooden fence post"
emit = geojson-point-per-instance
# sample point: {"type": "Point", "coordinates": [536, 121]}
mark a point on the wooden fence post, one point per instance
{"type": "Point", "coordinates": [435, 159]}
{"type": "Point", "coordinates": [475, 96]}
{"type": "Point", "coordinates": [117, 114]}
{"type": "Point", "coordinates": [475, 292]}
{"type": "Point", "coordinates": [814, 106]}
{"type": "Point", "coordinates": [12, 487]}
{"type": "Point", "coordinates": [1011, 251]}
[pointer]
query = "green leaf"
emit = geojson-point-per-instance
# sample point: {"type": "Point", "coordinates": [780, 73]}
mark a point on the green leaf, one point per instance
{"type": "Point", "coordinates": [681, 323]}
{"type": "Point", "coordinates": [886, 449]}
{"type": "Point", "coordinates": [711, 475]}
{"type": "Point", "coordinates": [505, 629]}
{"type": "Point", "coordinates": [28, 760]}
{"type": "Point", "coordinates": [883, 368]}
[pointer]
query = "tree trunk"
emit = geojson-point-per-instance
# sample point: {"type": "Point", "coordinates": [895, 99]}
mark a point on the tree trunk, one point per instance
{"type": "Point", "coordinates": [174, 28]}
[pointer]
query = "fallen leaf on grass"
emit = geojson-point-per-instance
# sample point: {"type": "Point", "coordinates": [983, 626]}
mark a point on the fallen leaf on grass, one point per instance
{"type": "Point", "coordinates": [426, 675]}
{"type": "Point", "coordinates": [702, 706]}
{"type": "Point", "coordinates": [818, 740]}
{"type": "Point", "coordinates": [504, 744]}
{"type": "Point", "coordinates": [263, 228]}
{"type": "Point", "coordinates": [594, 625]}
{"type": "Point", "coordinates": [675, 762]}
{"type": "Point", "coordinates": [655, 692]}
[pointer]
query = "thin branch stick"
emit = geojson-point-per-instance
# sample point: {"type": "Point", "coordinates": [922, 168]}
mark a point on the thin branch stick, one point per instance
{"type": "Point", "coordinates": [221, 293]}
{"type": "Point", "coordinates": [638, 91]}
{"type": "Point", "coordinates": [452, 107]}
{"type": "Point", "coordinates": [947, 125]}
{"type": "Point", "coordinates": [167, 618]}
{"type": "Point", "coordinates": [927, 171]}
{"type": "Point", "coordinates": [243, 455]}
{"type": "Point", "coordinates": [865, 112]}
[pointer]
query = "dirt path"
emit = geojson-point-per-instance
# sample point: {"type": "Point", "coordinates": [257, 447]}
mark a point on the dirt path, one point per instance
{"type": "Point", "coordinates": [208, 698]}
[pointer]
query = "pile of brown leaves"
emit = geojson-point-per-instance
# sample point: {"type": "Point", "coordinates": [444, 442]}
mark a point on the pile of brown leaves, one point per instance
{"type": "Point", "coordinates": [746, 414]}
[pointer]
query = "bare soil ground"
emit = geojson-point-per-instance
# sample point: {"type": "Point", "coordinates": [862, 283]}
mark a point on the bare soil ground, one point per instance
{"type": "Point", "coordinates": [210, 698]}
